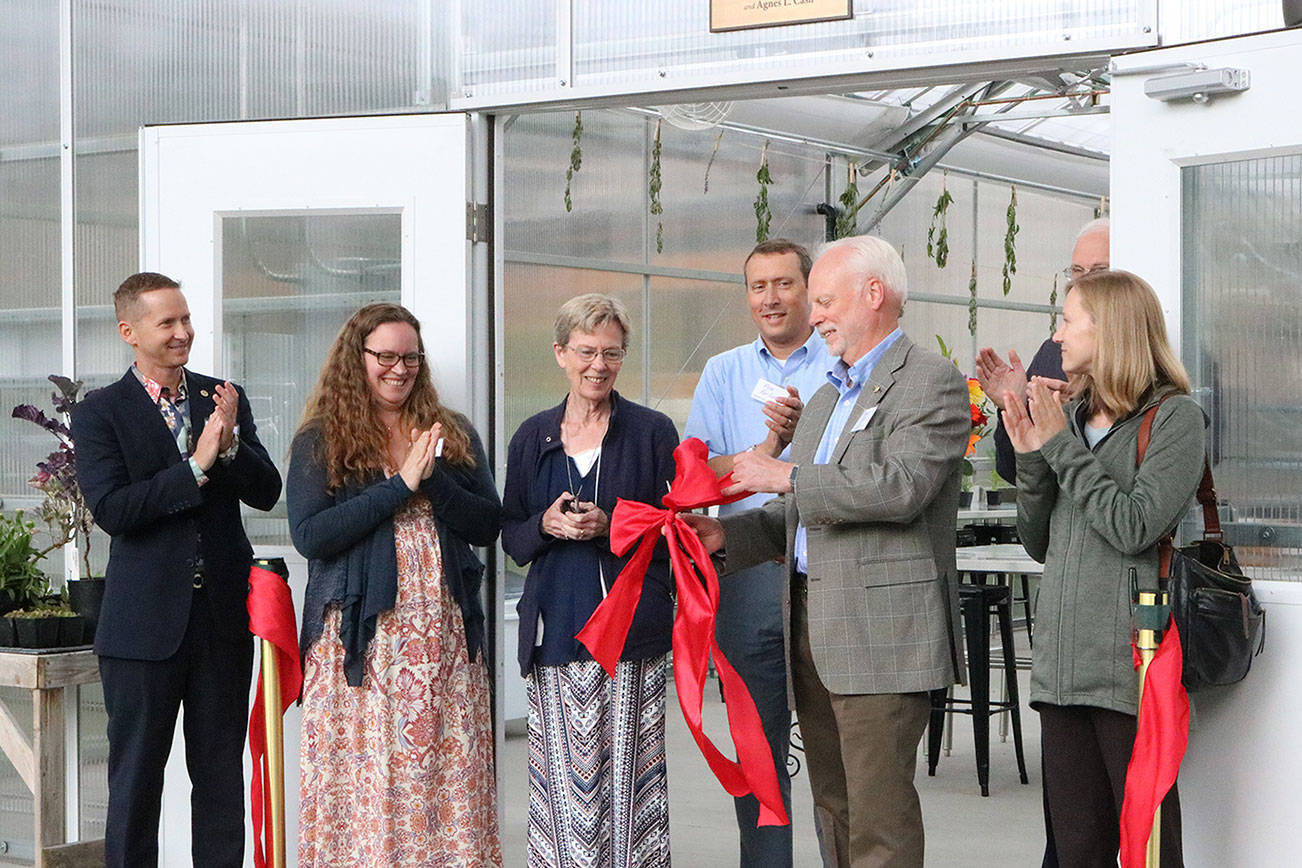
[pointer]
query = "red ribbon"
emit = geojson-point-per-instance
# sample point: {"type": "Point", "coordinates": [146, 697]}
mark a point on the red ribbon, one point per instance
{"type": "Point", "coordinates": [271, 617]}
{"type": "Point", "coordinates": [694, 486]}
{"type": "Point", "coordinates": [1161, 736]}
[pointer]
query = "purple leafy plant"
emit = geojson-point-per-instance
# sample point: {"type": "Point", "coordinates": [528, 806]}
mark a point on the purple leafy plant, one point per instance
{"type": "Point", "coordinates": [64, 509]}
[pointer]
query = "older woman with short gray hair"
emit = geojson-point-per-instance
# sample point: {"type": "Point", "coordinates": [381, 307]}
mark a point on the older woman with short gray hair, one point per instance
{"type": "Point", "coordinates": [598, 792]}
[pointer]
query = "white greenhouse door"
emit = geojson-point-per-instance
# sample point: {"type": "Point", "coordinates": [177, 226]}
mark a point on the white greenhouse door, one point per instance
{"type": "Point", "coordinates": [277, 232]}
{"type": "Point", "coordinates": [1207, 206]}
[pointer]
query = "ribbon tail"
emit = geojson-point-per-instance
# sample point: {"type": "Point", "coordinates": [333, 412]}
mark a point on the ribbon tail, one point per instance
{"type": "Point", "coordinates": [606, 631]}
{"type": "Point", "coordinates": [693, 642]}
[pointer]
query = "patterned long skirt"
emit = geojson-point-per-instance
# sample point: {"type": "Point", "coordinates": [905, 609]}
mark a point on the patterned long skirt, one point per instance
{"type": "Point", "coordinates": [399, 771]}
{"type": "Point", "coordinates": [598, 788]}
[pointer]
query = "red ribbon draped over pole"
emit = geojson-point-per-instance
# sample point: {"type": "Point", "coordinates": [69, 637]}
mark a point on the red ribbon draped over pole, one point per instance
{"type": "Point", "coordinates": [694, 486]}
{"type": "Point", "coordinates": [1161, 737]}
{"type": "Point", "coordinates": [271, 617]}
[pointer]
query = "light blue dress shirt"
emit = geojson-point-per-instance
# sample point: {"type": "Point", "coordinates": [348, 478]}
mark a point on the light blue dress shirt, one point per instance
{"type": "Point", "coordinates": [848, 380]}
{"type": "Point", "coordinates": [728, 419]}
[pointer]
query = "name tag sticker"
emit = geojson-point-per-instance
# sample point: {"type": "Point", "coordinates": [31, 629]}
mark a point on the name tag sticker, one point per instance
{"type": "Point", "coordinates": [864, 419]}
{"type": "Point", "coordinates": [767, 390]}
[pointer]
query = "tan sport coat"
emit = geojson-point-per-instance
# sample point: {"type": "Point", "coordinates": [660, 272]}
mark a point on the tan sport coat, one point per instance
{"type": "Point", "coordinates": [880, 517]}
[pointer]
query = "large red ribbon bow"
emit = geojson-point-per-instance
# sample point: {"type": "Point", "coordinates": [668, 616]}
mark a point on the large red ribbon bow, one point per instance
{"type": "Point", "coordinates": [694, 486]}
{"type": "Point", "coordinates": [271, 617]}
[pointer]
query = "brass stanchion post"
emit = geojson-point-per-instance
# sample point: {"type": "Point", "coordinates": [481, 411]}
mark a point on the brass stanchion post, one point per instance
{"type": "Point", "coordinates": [275, 755]}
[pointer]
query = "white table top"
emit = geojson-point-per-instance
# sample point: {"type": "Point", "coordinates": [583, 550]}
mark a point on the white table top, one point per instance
{"type": "Point", "coordinates": [997, 513]}
{"type": "Point", "coordinates": [998, 558]}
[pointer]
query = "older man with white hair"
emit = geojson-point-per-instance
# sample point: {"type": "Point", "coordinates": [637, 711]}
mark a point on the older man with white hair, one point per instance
{"type": "Point", "coordinates": [866, 519]}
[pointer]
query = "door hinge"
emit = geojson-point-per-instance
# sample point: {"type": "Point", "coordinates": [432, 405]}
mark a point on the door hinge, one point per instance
{"type": "Point", "coordinates": [479, 226]}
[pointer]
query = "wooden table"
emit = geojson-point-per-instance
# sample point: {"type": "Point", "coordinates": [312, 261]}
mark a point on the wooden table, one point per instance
{"type": "Point", "coordinates": [41, 760]}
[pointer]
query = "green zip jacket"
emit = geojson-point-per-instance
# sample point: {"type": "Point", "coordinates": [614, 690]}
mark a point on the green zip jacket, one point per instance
{"type": "Point", "coordinates": [1090, 516]}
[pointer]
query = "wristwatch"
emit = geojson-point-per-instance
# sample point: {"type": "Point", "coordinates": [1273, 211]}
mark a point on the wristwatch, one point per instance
{"type": "Point", "coordinates": [791, 480]}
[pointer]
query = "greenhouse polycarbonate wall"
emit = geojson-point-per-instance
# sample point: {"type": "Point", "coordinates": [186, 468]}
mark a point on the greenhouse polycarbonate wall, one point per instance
{"type": "Point", "coordinates": [687, 301]}
{"type": "Point", "coordinates": [1243, 347]}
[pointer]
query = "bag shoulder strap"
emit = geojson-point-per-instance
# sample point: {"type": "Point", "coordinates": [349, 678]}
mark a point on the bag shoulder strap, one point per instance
{"type": "Point", "coordinates": [1206, 495]}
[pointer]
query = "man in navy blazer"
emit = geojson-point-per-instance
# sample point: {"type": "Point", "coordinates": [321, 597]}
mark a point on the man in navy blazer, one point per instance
{"type": "Point", "coordinates": [164, 458]}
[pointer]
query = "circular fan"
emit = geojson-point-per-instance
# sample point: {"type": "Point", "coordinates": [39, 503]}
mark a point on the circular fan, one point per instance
{"type": "Point", "coordinates": [695, 115]}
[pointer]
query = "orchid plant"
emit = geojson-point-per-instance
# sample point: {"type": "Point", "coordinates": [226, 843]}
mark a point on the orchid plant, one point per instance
{"type": "Point", "coordinates": [64, 509]}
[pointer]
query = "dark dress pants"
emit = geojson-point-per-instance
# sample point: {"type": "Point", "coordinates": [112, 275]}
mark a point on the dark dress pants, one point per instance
{"type": "Point", "coordinates": [1085, 752]}
{"type": "Point", "coordinates": [210, 675]}
{"type": "Point", "coordinates": [749, 630]}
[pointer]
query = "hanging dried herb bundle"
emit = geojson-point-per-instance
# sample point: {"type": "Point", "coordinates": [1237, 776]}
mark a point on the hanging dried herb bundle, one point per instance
{"type": "Point", "coordinates": [972, 301]}
{"type": "Point", "coordinates": [1010, 239]}
{"type": "Point", "coordinates": [937, 234]}
{"type": "Point", "coordinates": [847, 217]}
{"type": "Point", "coordinates": [710, 164]}
{"type": "Point", "coordinates": [653, 190]}
{"type": "Point", "coordinates": [1053, 301]}
{"type": "Point", "coordinates": [763, 216]}
{"type": "Point", "coordinates": [576, 158]}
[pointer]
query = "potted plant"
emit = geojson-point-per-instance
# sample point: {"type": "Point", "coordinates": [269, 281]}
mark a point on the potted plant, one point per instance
{"type": "Point", "coordinates": [46, 626]}
{"type": "Point", "coordinates": [21, 581]}
{"type": "Point", "coordinates": [64, 510]}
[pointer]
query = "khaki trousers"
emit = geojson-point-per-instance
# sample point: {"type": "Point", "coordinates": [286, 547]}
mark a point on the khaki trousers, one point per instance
{"type": "Point", "coordinates": [862, 751]}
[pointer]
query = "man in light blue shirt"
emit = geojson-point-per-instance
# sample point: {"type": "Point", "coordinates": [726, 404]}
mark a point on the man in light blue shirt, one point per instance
{"type": "Point", "coordinates": [750, 397]}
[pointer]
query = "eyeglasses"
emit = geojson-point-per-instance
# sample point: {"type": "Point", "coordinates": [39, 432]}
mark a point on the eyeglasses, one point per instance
{"type": "Point", "coordinates": [1075, 272]}
{"type": "Point", "coordinates": [388, 359]}
{"type": "Point", "coordinates": [612, 355]}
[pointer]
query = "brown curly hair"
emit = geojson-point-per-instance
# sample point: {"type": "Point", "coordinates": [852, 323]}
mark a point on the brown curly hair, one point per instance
{"type": "Point", "coordinates": [353, 438]}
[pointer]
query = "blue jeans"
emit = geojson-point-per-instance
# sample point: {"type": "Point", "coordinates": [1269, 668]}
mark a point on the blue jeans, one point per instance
{"type": "Point", "coordinates": [749, 630]}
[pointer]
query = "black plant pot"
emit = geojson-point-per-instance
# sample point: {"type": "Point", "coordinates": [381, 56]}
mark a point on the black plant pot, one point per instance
{"type": "Point", "coordinates": [8, 636]}
{"type": "Point", "coordinates": [86, 596]}
{"type": "Point", "coordinates": [992, 496]}
{"type": "Point", "coordinates": [38, 632]}
{"type": "Point", "coordinates": [964, 500]}
{"type": "Point", "coordinates": [71, 630]}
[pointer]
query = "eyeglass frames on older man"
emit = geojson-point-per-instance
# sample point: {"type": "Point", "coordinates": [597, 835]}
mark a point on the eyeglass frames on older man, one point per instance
{"type": "Point", "coordinates": [388, 359]}
{"type": "Point", "coordinates": [612, 355]}
{"type": "Point", "coordinates": [1075, 272]}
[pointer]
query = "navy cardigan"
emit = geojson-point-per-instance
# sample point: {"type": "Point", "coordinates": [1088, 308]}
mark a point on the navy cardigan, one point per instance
{"type": "Point", "coordinates": [347, 537]}
{"type": "Point", "coordinates": [637, 463]}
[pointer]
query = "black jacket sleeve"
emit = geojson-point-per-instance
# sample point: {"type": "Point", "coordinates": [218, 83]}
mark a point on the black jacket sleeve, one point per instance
{"type": "Point", "coordinates": [465, 499]}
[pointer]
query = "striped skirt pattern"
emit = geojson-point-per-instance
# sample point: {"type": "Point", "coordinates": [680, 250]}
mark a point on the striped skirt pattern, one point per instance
{"type": "Point", "coordinates": [598, 787]}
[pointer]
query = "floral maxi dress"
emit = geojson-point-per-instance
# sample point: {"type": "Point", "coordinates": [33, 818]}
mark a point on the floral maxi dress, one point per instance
{"type": "Point", "coordinates": [399, 771]}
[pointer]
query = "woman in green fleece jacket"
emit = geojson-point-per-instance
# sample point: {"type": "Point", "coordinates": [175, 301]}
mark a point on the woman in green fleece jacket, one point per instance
{"type": "Point", "coordinates": [1091, 516]}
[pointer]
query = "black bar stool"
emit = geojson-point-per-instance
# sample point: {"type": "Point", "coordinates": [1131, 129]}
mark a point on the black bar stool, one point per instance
{"type": "Point", "coordinates": [977, 603]}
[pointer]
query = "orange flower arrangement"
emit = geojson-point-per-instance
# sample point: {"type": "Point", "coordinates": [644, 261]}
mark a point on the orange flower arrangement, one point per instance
{"type": "Point", "coordinates": [980, 419]}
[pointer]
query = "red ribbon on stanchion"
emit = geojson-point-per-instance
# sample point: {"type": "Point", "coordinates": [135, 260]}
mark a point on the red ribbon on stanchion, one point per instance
{"type": "Point", "coordinates": [694, 486]}
{"type": "Point", "coordinates": [271, 617]}
{"type": "Point", "coordinates": [1161, 737]}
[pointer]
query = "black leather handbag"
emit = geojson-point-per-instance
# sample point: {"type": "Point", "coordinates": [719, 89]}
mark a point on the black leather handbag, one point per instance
{"type": "Point", "coordinates": [1222, 625]}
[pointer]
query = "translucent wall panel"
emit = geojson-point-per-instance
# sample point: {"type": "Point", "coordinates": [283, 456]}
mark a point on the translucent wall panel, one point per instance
{"type": "Point", "coordinates": [691, 320]}
{"type": "Point", "coordinates": [615, 43]}
{"type": "Point", "coordinates": [1242, 343]}
{"type": "Point", "coordinates": [288, 284]}
{"type": "Point", "coordinates": [29, 234]}
{"type": "Point", "coordinates": [502, 50]}
{"type": "Point", "coordinates": [16, 817]}
{"type": "Point", "coordinates": [213, 60]}
{"type": "Point", "coordinates": [92, 749]}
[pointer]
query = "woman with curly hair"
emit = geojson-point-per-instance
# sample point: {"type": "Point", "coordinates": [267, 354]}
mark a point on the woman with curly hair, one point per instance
{"type": "Point", "coordinates": [397, 745]}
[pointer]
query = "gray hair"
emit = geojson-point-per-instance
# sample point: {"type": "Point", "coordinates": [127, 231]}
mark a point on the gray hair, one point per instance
{"type": "Point", "coordinates": [587, 313]}
{"type": "Point", "coordinates": [1098, 224]}
{"type": "Point", "coordinates": [872, 256]}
